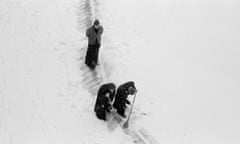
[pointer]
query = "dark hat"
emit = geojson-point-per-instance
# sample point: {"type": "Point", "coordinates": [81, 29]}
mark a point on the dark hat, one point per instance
{"type": "Point", "coordinates": [128, 84]}
{"type": "Point", "coordinates": [107, 87]}
{"type": "Point", "coordinates": [131, 84]}
{"type": "Point", "coordinates": [96, 22]}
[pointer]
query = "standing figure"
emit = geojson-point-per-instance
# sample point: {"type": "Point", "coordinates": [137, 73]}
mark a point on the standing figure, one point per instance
{"type": "Point", "coordinates": [104, 100]}
{"type": "Point", "coordinates": [94, 42]}
{"type": "Point", "coordinates": [121, 101]}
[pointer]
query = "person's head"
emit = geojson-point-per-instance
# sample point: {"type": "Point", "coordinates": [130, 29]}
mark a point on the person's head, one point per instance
{"type": "Point", "coordinates": [96, 23]}
{"type": "Point", "coordinates": [132, 90]}
{"type": "Point", "coordinates": [111, 87]}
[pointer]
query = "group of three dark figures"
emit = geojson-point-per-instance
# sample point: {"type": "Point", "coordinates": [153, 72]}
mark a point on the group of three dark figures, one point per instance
{"type": "Point", "coordinates": [108, 97]}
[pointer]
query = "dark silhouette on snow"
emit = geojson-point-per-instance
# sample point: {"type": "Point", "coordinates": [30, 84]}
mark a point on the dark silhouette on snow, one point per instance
{"type": "Point", "coordinates": [104, 100]}
{"type": "Point", "coordinates": [121, 101]}
{"type": "Point", "coordinates": [94, 42]}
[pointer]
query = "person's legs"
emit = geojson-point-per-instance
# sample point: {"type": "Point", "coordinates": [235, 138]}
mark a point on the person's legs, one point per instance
{"type": "Point", "coordinates": [101, 114]}
{"type": "Point", "coordinates": [121, 112]}
{"type": "Point", "coordinates": [97, 46]}
{"type": "Point", "coordinates": [89, 60]}
{"type": "Point", "coordinates": [121, 109]}
{"type": "Point", "coordinates": [87, 56]}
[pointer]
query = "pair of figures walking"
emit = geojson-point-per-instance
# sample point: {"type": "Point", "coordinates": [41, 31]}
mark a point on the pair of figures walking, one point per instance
{"type": "Point", "coordinates": [108, 99]}
{"type": "Point", "coordinates": [93, 34]}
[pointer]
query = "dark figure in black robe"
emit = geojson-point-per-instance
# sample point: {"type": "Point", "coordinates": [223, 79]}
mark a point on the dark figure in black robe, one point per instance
{"type": "Point", "coordinates": [104, 100]}
{"type": "Point", "coordinates": [94, 42]}
{"type": "Point", "coordinates": [121, 101]}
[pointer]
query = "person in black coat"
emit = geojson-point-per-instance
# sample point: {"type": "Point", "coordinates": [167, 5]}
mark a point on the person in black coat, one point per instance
{"type": "Point", "coordinates": [93, 34]}
{"type": "Point", "coordinates": [104, 100]}
{"type": "Point", "coordinates": [121, 101]}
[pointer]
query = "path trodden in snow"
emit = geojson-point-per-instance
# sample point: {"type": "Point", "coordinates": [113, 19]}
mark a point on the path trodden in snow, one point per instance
{"type": "Point", "coordinates": [92, 79]}
{"type": "Point", "coordinates": [138, 134]}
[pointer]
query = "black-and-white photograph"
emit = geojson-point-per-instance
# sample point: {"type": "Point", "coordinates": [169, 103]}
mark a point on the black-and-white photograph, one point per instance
{"type": "Point", "coordinates": [119, 72]}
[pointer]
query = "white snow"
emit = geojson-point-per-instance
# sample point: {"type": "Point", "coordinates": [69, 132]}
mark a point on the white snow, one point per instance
{"type": "Point", "coordinates": [183, 55]}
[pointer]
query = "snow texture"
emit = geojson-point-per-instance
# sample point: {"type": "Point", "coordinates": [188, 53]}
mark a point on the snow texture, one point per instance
{"type": "Point", "coordinates": [182, 54]}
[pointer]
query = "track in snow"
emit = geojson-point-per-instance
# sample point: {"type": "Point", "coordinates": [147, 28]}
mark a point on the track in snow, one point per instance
{"type": "Point", "coordinates": [138, 134]}
{"type": "Point", "coordinates": [92, 80]}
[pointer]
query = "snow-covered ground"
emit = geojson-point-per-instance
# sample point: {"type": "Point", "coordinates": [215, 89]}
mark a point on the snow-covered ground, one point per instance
{"type": "Point", "coordinates": [183, 55]}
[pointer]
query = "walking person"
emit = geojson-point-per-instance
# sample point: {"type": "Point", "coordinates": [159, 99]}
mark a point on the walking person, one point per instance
{"type": "Point", "coordinates": [94, 34]}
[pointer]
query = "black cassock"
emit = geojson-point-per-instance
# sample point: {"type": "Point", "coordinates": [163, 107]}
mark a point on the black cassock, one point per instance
{"type": "Point", "coordinates": [103, 103]}
{"type": "Point", "coordinates": [121, 101]}
{"type": "Point", "coordinates": [91, 58]}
